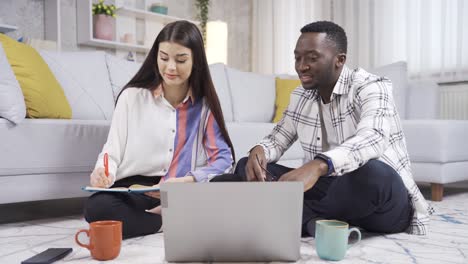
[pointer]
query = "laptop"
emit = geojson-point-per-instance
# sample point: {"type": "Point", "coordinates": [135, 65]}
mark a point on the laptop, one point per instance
{"type": "Point", "coordinates": [232, 221]}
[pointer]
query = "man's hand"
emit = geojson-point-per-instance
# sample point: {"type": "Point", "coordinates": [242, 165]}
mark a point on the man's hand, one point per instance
{"type": "Point", "coordinates": [256, 159]}
{"type": "Point", "coordinates": [157, 194]}
{"type": "Point", "coordinates": [99, 179]}
{"type": "Point", "coordinates": [308, 173]}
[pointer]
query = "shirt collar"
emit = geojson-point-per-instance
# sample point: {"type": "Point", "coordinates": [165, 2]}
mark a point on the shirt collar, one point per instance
{"type": "Point", "coordinates": [159, 93]}
{"type": "Point", "coordinates": [343, 84]}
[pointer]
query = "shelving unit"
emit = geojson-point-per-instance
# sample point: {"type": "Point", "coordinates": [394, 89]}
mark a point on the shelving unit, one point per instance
{"type": "Point", "coordinates": [4, 28]}
{"type": "Point", "coordinates": [142, 25]}
{"type": "Point", "coordinates": [137, 13]}
{"type": "Point", "coordinates": [115, 45]}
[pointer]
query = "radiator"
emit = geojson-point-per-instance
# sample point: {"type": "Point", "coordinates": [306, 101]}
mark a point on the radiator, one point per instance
{"type": "Point", "coordinates": [454, 101]}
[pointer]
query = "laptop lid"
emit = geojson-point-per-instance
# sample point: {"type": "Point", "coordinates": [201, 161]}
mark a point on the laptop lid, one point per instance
{"type": "Point", "coordinates": [232, 221]}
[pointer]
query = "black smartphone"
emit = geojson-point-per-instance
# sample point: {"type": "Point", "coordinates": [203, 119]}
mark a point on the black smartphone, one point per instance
{"type": "Point", "coordinates": [48, 256]}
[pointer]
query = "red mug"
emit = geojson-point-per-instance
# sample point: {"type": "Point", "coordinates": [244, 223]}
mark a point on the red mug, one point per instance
{"type": "Point", "coordinates": [105, 239]}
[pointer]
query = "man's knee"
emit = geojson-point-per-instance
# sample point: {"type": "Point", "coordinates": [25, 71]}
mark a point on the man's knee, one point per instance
{"type": "Point", "coordinates": [377, 181]}
{"type": "Point", "coordinates": [375, 172]}
{"type": "Point", "coordinates": [98, 207]}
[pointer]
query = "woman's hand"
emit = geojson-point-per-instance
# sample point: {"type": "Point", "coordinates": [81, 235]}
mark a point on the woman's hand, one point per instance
{"type": "Point", "coordinates": [99, 179]}
{"type": "Point", "coordinates": [154, 194]}
{"type": "Point", "coordinates": [187, 179]}
{"type": "Point", "coordinates": [157, 194]}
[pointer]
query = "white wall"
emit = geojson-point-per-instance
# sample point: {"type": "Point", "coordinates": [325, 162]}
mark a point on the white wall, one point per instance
{"type": "Point", "coordinates": [27, 15]}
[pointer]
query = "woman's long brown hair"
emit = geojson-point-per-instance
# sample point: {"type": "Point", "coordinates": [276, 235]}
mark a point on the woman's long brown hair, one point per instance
{"type": "Point", "coordinates": [186, 34]}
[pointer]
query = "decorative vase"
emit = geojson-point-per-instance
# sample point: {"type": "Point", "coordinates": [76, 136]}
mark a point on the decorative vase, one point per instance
{"type": "Point", "coordinates": [159, 8]}
{"type": "Point", "coordinates": [103, 27]}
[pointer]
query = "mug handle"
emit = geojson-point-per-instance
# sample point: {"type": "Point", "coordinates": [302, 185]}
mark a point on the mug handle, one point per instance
{"type": "Point", "coordinates": [77, 240]}
{"type": "Point", "coordinates": [354, 229]}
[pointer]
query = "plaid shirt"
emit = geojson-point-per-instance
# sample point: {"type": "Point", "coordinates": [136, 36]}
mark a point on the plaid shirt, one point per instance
{"type": "Point", "coordinates": [367, 125]}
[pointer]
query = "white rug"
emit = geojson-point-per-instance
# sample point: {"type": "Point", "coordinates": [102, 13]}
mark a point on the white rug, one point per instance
{"type": "Point", "coordinates": [446, 243]}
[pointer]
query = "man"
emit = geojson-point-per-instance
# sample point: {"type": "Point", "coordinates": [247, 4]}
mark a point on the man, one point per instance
{"type": "Point", "coordinates": [356, 168]}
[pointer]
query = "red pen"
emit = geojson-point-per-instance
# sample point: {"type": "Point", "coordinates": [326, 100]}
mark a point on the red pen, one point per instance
{"type": "Point", "coordinates": [106, 164]}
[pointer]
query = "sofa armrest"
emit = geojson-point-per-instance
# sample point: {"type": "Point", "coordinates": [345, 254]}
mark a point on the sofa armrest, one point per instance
{"type": "Point", "coordinates": [422, 100]}
{"type": "Point", "coordinates": [436, 141]}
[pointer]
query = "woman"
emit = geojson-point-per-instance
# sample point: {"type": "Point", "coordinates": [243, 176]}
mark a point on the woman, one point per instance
{"type": "Point", "coordinates": [167, 126]}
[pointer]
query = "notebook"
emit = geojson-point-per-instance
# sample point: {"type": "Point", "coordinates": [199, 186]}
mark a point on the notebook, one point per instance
{"type": "Point", "coordinates": [133, 188]}
{"type": "Point", "coordinates": [232, 221]}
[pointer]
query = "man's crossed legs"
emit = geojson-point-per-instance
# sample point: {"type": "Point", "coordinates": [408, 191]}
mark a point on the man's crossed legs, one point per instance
{"type": "Point", "coordinates": [373, 197]}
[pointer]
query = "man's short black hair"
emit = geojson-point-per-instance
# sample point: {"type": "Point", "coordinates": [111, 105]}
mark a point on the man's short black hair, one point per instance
{"type": "Point", "coordinates": [334, 33]}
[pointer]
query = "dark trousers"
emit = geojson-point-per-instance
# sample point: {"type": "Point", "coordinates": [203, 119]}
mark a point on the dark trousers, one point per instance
{"type": "Point", "coordinates": [372, 197]}
{"type": "Point", "coordinates": [126, 207]}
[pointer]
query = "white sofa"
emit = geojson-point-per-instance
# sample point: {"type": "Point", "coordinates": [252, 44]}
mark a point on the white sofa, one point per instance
{"type": "Point", "coordinates": [438, 148]}
{"type": "Point", "coordinates": [43, 159]}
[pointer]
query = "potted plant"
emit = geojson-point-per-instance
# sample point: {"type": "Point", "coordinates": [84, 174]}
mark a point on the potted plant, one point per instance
{"type": "Point", "coordinates": [103, 21]}
{"type": "Point", "coordinates": [202, 8]}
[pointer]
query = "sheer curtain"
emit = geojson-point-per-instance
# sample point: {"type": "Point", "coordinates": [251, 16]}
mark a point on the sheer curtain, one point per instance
{"type": "Point", "coordinates": [431, 35]}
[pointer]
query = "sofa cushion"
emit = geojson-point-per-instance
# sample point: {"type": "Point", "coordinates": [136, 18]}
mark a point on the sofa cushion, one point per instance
{"type": "Point", "coordinates": [85, 80]}
{"type": "Point", "coordinates": [397, 73]}
{"type": "Point", "coordinates": [41, 146]}
{"type": "Point", "coordinates": [43, 95]}
{"type": "Point", "coordinates": [253, 96]}
{"type": "Point", "coordinates": [12, 105]}
{"type": "Point", "coordinates": [220, 82]}
{"type": "Point", "coordinates": [439, 141]}
{"type": "Point", "coordinates": [284, 88]}
{"type": "Point", "coordinates": [120, 72]}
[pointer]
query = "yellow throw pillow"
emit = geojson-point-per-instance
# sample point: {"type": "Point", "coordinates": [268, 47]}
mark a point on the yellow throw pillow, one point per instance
{"type": "Point", "coordinates": [43, 95]}
{"type": "Point", "coordinates": [284, 88]}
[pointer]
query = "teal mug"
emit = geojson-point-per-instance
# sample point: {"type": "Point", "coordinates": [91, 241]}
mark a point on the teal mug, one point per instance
{"type": "Point", "coordinates": [331, 239]}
